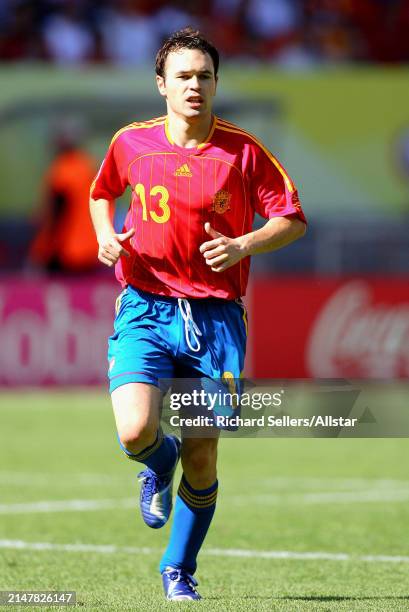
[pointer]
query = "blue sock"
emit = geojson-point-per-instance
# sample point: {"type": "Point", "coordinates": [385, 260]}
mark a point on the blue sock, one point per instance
{"type": "Point", "coordinates": [159, 457]}
{"type": "Point", "coordinates": [193, 513]}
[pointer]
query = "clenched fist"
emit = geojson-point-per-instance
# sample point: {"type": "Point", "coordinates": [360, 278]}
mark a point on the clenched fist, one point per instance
{"type": "Point", "coordinates": [111, 249]}
{"type": "Point", "coordinates": [221, 252]}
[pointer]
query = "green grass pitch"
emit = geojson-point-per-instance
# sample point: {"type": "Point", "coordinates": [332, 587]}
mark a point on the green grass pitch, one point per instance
{"type": "Point", "coordinates": [334, 496]}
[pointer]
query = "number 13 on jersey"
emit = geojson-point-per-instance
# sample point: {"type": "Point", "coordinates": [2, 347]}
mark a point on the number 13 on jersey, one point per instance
{"type": "Point", "coordinates": [161, 203]}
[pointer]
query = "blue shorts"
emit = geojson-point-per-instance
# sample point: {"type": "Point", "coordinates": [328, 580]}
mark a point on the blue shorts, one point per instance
{"type": "Point", "coordinates": [157, 338]}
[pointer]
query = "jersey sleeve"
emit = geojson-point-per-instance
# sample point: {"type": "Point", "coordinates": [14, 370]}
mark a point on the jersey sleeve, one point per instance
{"type": "Point", "coordinates": [111, 180]}
{"type": "Point", "coordinates": [273, 192]}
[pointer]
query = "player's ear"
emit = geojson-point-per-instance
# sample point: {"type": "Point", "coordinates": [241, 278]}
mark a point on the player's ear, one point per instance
{"type": "Point", "coordinates": [160, 82]}
{"type": "Point", "coordinates": [216, 80]}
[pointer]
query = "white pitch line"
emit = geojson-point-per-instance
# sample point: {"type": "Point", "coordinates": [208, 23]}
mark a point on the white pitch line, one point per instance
{"type": "Point", "coordinates": [210, 552]}
{"type": "Point", "coordinates": [333, 497]}
{"type": "Point", "coordinates": [347, 497]}
{"type": "Point", "coordinates": [93, 505]}
{"type": "Point", "coordinates": [60, 479]}
{"type": "Point", "coordinates": [329, 483]}
{"type": "Point", "coordinates": [69, 505]}
{"type": "Point", "coordinates": [35, 479]}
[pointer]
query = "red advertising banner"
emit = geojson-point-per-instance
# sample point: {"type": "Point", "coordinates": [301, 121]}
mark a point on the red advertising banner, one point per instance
{"type": "Point", "coordinates": [55, 332]}
{"type": "Point", "coordinates": [329, 328]}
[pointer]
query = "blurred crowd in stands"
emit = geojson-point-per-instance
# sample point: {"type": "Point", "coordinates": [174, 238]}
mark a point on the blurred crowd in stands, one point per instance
{"type": "Point", "coordinates": [290, 33]}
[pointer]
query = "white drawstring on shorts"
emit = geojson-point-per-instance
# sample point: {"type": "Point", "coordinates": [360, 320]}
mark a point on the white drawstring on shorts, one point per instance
{"type": "Point", "coordinates": [190, 325]}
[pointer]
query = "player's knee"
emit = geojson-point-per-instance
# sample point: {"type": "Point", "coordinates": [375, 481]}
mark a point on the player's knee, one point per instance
{"type": "Point", "coordinates": [200, 460]}
{"type": "Point", "coordinates": [136, 437]}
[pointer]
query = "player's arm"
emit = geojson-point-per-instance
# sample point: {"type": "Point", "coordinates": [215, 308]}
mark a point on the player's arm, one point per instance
{"type": "Point", "coordinates": [275, 234]}
{"type": "Point", "coordinates": [275, 198]}
{"type": "Point", "coordinates": [223, 252]}
{"type": "Point", "coordinates": [110, 247]}
{"type": "Point", "coordinates": [109, 184]}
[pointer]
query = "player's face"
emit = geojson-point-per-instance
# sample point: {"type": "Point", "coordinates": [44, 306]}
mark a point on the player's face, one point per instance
{"type": "Point", "coordinates": [189, 84]}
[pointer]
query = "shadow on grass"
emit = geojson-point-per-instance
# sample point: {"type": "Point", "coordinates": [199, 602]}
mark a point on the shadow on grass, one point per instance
{"type": "Point", "coordinates": [315, 597]}
{"type": "Point", "coordinates": [339, 597]}
{"type": "Point", "coordinates": [318, 598]}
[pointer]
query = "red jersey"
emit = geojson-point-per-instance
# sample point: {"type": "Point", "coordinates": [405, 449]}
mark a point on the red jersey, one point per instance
{"type": "Point", "coordinates": [175, 190]}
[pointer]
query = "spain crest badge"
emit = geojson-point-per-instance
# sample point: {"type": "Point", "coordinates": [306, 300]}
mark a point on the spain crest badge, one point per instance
{"type": "Point", "coordinates": [221, 201]}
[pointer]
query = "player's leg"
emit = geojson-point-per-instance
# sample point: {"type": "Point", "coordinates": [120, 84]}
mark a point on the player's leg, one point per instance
{"type": "Point", "coordinates": [221, 356]}
{"type": "Point", "coordinates": [137, 414]}
{"type": "Point", "coordinates": [136, 410]}
{"type": "Point", "coordinates": [199, 461]}
{"type": "Point", "coordinates": [195, 504]}
{"type": "Point", "coordinates": [139, 355]}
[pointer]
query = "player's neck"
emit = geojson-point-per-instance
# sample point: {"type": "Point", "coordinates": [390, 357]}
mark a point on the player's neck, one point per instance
{"type": "Point", "coordinates": [187, 133]}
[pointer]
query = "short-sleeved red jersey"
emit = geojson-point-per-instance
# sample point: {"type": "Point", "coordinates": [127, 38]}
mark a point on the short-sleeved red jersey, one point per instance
{"type": "Point", "coordinates": [175, 190]}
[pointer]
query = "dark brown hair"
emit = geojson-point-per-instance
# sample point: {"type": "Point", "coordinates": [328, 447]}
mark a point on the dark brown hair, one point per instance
{"type": "Point", "coordinates": [188, 38]}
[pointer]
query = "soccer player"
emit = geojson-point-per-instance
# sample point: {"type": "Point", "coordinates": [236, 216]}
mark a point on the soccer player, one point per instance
{"type": "Point", "coordinates": [183, 261]}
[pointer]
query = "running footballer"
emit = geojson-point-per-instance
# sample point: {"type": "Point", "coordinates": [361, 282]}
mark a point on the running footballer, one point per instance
{"type": "Point", "coordinates": [183, 261]}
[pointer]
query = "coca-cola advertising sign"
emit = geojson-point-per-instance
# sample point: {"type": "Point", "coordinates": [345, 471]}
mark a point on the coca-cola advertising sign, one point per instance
{"type": "Point", "coordinates": [55, 332]}
{"type": "Point", "coordinates": [326, 328]}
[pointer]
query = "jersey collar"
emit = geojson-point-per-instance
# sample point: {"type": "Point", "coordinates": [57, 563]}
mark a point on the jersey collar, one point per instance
{"type": "Point", "coordinates": [201, 145]}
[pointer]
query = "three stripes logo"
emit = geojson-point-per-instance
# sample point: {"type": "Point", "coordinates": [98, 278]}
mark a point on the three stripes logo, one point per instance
{"type": "Point", "coordinates": [184, 170]}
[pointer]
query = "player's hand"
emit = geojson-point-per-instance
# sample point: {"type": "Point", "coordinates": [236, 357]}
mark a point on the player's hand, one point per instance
{"type": "Point", "coordinates": [221, 252]}
{"type": "Point", "coordinates": [111, 249]}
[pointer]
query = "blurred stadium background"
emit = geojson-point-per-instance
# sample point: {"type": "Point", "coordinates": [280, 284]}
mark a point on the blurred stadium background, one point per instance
{"type": "Point", "coordinates": [320, 82]}
{"type": "Point", "coordinates": [324, 83]}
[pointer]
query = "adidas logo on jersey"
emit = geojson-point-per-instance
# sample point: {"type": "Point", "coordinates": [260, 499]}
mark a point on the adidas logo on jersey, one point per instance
{"type": "Point", "coordinates": [184, 170]}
